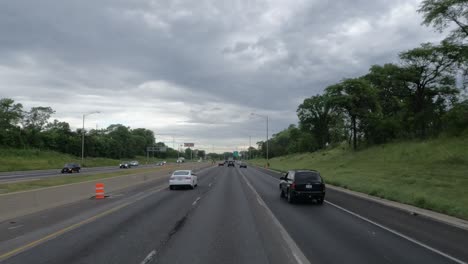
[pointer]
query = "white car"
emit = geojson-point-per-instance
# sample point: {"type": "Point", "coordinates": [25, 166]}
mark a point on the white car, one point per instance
{"type": "Point", "coordinates": [183, 178]}
{"type": "Point", "coordinates": [134, 163]}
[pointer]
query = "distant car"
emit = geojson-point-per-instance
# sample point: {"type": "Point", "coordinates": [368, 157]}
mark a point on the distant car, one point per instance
{"type": "Point", "coordinates": [159, 164]}
{"type": "Point", "coordinates": [231, 163]}
{"type": "Point", "coordinates": [221, 164]}
{"type": "Point", "coordinates": [125, 165]}
{"type": "Point", "coordinates": [302, 184]}
{"type": "Point", "coordinates": [243, 165]}
{"type": "Point", "coordinates": [183, 178]}
{"type": "Point", "coordinates": [71, 167]}
{"type": "Point", "coordinates": [164, 162]}
{"type": "Point", "coordinates": [134, 163]}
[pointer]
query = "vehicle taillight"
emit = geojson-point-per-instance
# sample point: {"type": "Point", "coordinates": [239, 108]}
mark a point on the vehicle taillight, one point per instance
{"type": "Point", "coordinates": [293, 186]}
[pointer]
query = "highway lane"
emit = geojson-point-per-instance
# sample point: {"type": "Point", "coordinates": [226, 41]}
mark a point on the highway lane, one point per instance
{"type": "Point", "coordinates": [222, 221]}
{"type": "Point", "coordinates": [327, 234]}
{"type": "Point", "coordinates": [446, 238]}
{"type": "Point", "coordinates": [123, 236]}
{"type": "Point", "coordinates": [12, 176]}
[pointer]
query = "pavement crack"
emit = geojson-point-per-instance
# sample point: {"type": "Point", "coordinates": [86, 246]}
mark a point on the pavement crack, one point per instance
{"type": "Point", "coordinates": [179, 224]}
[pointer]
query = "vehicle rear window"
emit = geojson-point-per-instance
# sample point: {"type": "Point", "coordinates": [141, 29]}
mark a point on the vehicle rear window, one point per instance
{"type": "Point", "coordinates": [177, 173]}
{"type": "Point", "coordinates": [303, 177]}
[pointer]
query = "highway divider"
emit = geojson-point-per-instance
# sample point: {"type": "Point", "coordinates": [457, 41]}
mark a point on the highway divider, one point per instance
{"type": "Point", "coordinates": [16, 204]}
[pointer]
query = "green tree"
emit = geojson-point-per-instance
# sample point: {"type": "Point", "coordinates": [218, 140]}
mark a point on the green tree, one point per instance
{"type": "Point", "coordinates": [430, 74]}
{"type": "Point", "coordinates": [37, 117]}
{"type": "Point", "coordinates": [34, 122]}
{"type": "Point", "coordinates": [56, 136]}
{"type": "Point", "coordinates": [10, 115]}
{"type": "Point", "coordinates": [442, 14]}
{"type": "Point", "coordinates": [456, 119]}
{"type": "Point", "coordinates": [357, 99]}
{"type": "Point", "coordinates": [394, 97]}
{"type": "Point", "coordinates": [316, 116]}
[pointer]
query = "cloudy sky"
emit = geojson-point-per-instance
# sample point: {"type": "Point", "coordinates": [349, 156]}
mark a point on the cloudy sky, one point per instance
{"type": "Point", "coordinates": [194, 70]}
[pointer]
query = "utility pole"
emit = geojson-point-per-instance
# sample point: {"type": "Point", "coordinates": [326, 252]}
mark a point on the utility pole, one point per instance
{"type": "Point", "coordinates": [268, 163]}
{"type": "Point", "coordinates": [267, 144]}
{"type": "Point", "coordinates": [250, 145]}
{"type": "Point", "coordinates": [83, 135]}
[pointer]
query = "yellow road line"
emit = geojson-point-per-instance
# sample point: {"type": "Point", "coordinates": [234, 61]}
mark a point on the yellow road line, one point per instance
{"type": "Point", "coordinates": [61, 232]}
{"type": "Point", "coordinates": [74, 226]}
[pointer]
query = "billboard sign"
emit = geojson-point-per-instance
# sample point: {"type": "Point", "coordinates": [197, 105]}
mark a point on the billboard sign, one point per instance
{"type": "Point", "coordinates": [189, 145]}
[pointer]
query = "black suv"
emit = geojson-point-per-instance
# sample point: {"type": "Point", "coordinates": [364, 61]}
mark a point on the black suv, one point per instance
{"type": "Point", "coordinates": [71, 167]}
{"type": "Point", "coordinates": [302, 184]}
{"type": "Point", "coordinates": [231, 163]}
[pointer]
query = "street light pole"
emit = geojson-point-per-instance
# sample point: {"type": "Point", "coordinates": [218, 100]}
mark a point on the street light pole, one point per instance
{"type": "Point", "coordinates": [250, 145]}
{"type": "Point", "coordinates": [268, 161]}
{"type": "Point", "coordinates": [83, 135]}
{"type": "Point", "coordinates": [267, 144]}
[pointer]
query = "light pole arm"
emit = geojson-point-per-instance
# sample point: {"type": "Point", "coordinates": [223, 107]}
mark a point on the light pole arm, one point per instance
{"type": "Point", "coordinates": [268, 163]}
{"type": "Point", "coordinates": [82, 141]}
{"type": "Point", "coordinates": [83, 135]}
{"type": "Point", "coordinates": [267, 144]}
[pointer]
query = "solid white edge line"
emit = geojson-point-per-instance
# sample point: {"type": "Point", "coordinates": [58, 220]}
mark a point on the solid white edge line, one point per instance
{"type": "Point", "coordinates": [391, 230]}
{"type": "Point", "coordinates": [14, 227]}
{"type": "Point", "coordinates": [149, 257]}
{"type": "Point", "coordinates": [399, 234]}
{"type": "Point", "coordinates": [295, 250]}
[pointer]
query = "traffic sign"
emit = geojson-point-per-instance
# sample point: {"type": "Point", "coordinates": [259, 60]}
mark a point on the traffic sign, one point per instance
{"type": "Point", "coordinates": [156, 149]}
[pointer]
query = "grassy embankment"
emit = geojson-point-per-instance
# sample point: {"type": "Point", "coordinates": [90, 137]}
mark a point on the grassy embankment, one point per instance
{"type": "Point", "coordinates": [70, 178]}
{"type": "Point", "coordinates": [431, 174]}
{"type": "Point", "coordinates": [33, 159]}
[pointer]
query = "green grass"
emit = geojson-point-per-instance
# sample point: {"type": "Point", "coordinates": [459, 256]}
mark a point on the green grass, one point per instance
{"type": "Point", "coordinates": [430, 174]}
{"type": "Point", "coordinates": [34, 159]}
{"type": "Point", "coordinates": [68, 179]}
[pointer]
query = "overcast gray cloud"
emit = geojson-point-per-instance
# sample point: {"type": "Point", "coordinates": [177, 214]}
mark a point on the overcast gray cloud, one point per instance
{"type": "Point", "coordinates": [195, 69]}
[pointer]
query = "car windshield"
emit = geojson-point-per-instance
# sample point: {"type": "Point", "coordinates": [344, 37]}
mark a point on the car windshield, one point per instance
{"type": "Point", "coordinates": [362, 102]}
{"type": "Point", "coordinates": [181, 173]}
{"type": "Point", "coordinates": [304, 177]}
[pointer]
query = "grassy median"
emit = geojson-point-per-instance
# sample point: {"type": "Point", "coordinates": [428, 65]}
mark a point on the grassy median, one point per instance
{"type": "Point", "coordinates": [35, 159]}
{"type": "Point", "coordinates": [431, 174]}
{"type": "Point", "coordinates": [71, 178]}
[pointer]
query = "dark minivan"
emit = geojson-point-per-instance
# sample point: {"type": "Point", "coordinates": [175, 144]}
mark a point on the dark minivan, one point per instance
{"type": "Point", "coordinates": [302, 184]}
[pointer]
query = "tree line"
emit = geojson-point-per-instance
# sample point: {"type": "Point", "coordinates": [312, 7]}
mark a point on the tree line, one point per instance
{"type": "Point", "coordinates": [20, 128]}
{"type": "Point", "coordinates": [422, 96]}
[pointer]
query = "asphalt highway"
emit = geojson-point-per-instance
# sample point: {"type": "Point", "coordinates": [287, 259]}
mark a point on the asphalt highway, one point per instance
{"type": "Point", "coordinates": [6, 177]}
{"type": "Point", "coordinates": [233, 216]}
